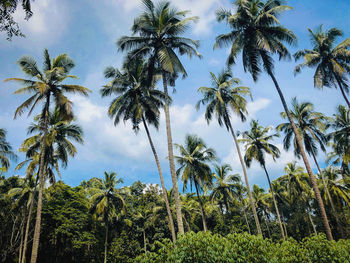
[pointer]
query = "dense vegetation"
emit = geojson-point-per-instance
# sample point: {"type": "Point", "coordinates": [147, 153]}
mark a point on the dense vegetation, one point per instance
{"type": "Point", "coordinates": [217, 217]}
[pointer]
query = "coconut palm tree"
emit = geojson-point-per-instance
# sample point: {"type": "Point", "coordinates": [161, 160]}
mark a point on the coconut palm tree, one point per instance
{"type": "Point", "coordinates": [6, 153]}
{"type": "Point", "coordinates": [25, 197]}
{"type": "Point", "coordinates": [222, 99]}
{"type": "Point", "coordinates": [48, 86]}
{"type": "Point", "coordinates": [258, 35]}
{"type": "Point", "coordinates": [224, 184]}
{"type": "Point", "coordinates": [158, 36]}
{"type": "Point", "coordinates": [257, 145]}
{"type": "Point", "coordinates": [340, 140]}
{"type": "Point", "coordinates": [193, 160]}
{"type": "Point", "coordinates": [139, 103]}
{"type": "Point", "coordinates": [331, 62]}
{"type": "Point", "coordinates": [107, 202]}
{"type": "Point", "coordinates": [261, 202]}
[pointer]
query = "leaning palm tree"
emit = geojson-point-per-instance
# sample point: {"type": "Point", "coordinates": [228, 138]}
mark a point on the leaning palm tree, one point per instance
{"type": "Point", "coordinates": [107, 202]}
{"type": "Point", "coordinates": [158, 37]}
{"type": "Point", "coordinates": [224, 184]}
{"type": "Point", "coordinates": [257, 145]}
{"type": "Point", "coordinates": [139, 103]}
{"type": "Point", "coordinates": [340, 140]}
{"type": "Point", "coordinates": [193, 160]}
{"type": "Point", "coordinates": [331, 62]}
{"type": "Point", "coordinates": [48, 86]}
{"type": "Point", "coordinates": [258, 35]}
{"type": "Point", "coordinates": [222, 98]}
{"type": "Point", "coordinates": [6, 153]}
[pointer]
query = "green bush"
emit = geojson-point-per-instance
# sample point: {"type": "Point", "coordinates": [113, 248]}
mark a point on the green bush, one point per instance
{"type": "Point", "coordinates": [245, 248]}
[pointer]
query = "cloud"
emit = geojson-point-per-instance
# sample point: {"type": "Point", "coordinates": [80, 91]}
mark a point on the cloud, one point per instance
{"type": "Point", "coordinates": [48, 23]}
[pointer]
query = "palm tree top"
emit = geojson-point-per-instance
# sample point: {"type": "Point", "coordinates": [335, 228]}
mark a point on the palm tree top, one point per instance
{"type": "Point", "coordinates": [157, 35]}
{"type": "Point", "coordinates": [257, 143]}
{"type": "Point", "coordinates": [48, 81]}
{"type": "Point", "coordinates": [257, 33]}
{"type": "Point", "coordinates": [223, 97]}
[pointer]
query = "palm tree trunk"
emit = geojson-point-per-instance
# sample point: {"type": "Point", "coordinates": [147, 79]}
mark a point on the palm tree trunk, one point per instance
{"type": "Point", "coordinates": [246, 220]}
{"type": "Point", "coordinates": [342, 91]}
{"type": "Point", "coordinates": [275, 203]}
{"type": "Point", "coordinates": [42, 176]}
{"type": "Point", "coordinates": [171, 159]}
{"type": "Point", "coordinates": [267, 226]}
{"type": "Point", "coordinates": [340, 229]}
{"type": "Point", "coordinates": [106, 242]}
{"type": "Point", "coordinates": [144, 240]}
{"type": "Point", "coordinates": [312, 223]}
{"type": "Point", "coordinates": [252, 204]}
{"type": "Point", "coordinates": [23, 260]}
{"type": "Point", "coordinates": [165, 193]}
{"type": "Point", "coordinates": [305, 159]}
{"type": "Point", "coordinates": [22, 236]}
{"type": "Point", "coordinates": [202, 209]}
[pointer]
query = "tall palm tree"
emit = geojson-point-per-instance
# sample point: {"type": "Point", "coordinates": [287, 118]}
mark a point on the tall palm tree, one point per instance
{"type": "Point", "coordinates": [138, 103]}
{"type": "Point", "coordinates": [222, 99]}
{"type": "Point", "coordinates": [158, 36]}
{"type": "Point", "coordinates": [25, 195]}
{"type": "Point", "coordinates": [260, 198]}
{"type": "Point", "coordinates": [340, 139]}
{"type": "Point", "coordinates": [193, 160]}
{"type": "Point", "coordinates": [6, 153]}
{"type": "Point", "coordinates": [331, 62]}
{"type": "Point", "coordinates": [257, 145]}
{"type": "Point", "coordinates": [107, 202]}
{"type": "Point", "coordinates": [312, 127]}
{"type": "Point", "coordinates": [224, 184]}
{"type": "Point", "coordinates": [48, 86]}
{"type": "Point", "coordinates": [258, 34]}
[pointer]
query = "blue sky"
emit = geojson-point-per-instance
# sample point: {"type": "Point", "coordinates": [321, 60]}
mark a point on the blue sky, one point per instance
{"type": "Point", "coordinates": [87, 32]}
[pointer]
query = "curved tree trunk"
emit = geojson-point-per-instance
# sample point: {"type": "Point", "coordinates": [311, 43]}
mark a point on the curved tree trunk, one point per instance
{"type": "Point", "coordinates": [171, 159]}
{"type": "Point", "coordinates": [20, 250]}
{"type": "Point", "coordinates": [252, 203]}
{"type": "Point", "coordinates": [334, 211]}
{"type": "Point", "coordinates": [144, 240]}
{"type": "Point", "coordinates": [29, 217]}
{"type": "Point", "coordinates": [42, 175]}
{"type": "Point", "coordinates": [305, 159]}
{"type": "Point", "coordinates": [202, 209]}
{"type": "Point", "coordinates": [165, 193]}
{"type": "Point", "coordinates": [342, 91]}
{"type": "Point", "coordinates": [312, 223]}
{"type": "Point", "coordinates": [275, 204]}
{"type": "Point", "coordinates": [267, 226]}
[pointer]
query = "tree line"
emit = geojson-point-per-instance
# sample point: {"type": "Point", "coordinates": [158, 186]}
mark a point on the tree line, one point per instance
{"type": "Point", "coordinates": [297, 204]}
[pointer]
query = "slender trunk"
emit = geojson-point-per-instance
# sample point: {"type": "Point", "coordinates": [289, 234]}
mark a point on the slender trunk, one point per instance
{"type": "Point", "coordinates": [267, 226]}
{"type": "Point", "coordinates": [144, 240]}
{"type": "Point", "coordinates": [342, 91]}
{"type": "Point", "coordinates": [202, 209]}
{"type": "Point", "coordinates": [165, 193]}
{"type": "Point", "coordinates": [226, 203]}
{"type": "Point", "coordinates": [187, 224]}
{"type": "Point", "coordinates": [275, 204]}
{"type": "Point", "coordinates": [305, 159]}
{"type": "Point", "coordinates": [26, 234]}
{"type": "Point", "coordinates": [252, 204]}
{"type": "Point", "coordinates": [334, 211]}
{"type": "Point", "coordinates": [312, 223]}
{"type": "Point", "coordinates": [22, 236]}
{"type": "Point", "coordinates": [246, 221]}
{"type": "Point", "coordinates": [106, 242]}
{"type": "Point", "coordinates": [42, 171]}
{"type": "Point", "coordinates": [171, 159]}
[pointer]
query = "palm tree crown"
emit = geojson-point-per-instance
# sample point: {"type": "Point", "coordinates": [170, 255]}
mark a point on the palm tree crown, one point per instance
{"type": "Point", "coordinates": [311, 127]}
{"type": "Point", "coordinates": [331, 62]}
{"type": "Point", "coordinates": [6, 152]}
{"type": "Point", "coordinates": [257, 33]}
{"type": "Point", "coordinates": [257, 144]}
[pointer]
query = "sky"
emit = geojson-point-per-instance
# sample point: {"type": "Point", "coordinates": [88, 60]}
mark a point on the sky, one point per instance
{"type": "Point", "coordinates": [87, 30]}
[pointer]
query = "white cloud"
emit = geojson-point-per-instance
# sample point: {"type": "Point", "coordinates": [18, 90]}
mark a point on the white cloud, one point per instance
{"type": "Point", "coordinates": [48, 23]}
